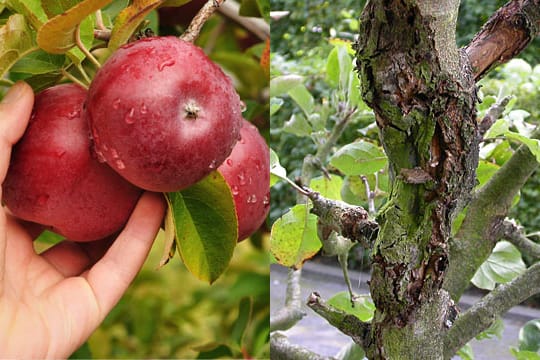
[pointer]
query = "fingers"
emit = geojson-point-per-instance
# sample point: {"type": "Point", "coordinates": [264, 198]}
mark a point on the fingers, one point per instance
{"type": "Point", "coordinates": [15, 110]}
{"type": "Point", "coordinates": [110, 276]}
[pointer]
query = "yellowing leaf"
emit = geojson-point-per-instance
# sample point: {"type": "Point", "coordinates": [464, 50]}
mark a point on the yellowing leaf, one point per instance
{"type": "Point", "coordinates": [57, 35]}
{"type": "Point", "coordinates": [16, 41]}
{"type": "Point", "coordinates": [129, 20]}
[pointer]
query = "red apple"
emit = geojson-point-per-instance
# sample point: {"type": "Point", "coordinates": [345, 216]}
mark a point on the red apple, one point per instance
{"type": "Point", "coordinates": [54, 178]}
{"type": "Point", "coordinates": [247, 172]}
{"type": "Point", "coordinates": [162, 114]}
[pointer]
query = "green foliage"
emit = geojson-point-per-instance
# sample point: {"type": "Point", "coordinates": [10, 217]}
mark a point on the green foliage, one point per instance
{"type": "Point", "coordinates": [363, 307]}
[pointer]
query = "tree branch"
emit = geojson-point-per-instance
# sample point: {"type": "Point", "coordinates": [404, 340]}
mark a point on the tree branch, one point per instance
{"type": "Point", "coordinates": [514, 233]}
{"type": "Point", "coordinates": [504, 35]}
{"type": "Point", "coordinates": [292, 312]}
{"type": "Point", "coordinates": [255, 25]}
{"type": "Point", "coordinates": [494, 112]}
{"type": "Point", "coordinates": [350, 325]}
{"type": "Point", "coordinates": [496, 303]}
{"type": "Point", "coordinates": [282, 349]}
{"type": "Point", "coordinates": [480, 230]}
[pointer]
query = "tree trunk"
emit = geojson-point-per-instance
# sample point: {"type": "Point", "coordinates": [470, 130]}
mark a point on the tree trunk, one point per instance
{"type": "Point", "coordinates": [423, 93]}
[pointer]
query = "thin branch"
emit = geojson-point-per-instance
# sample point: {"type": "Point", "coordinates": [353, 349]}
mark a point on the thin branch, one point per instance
{"type": "Point", "coordinates": [83, 48]}
{"type": "Point", "coordinates": [358, 330]}
{"type": "Point", "coordinates": [282, 349]}
{"type": "Point", "coordinates": [496, 303]}
{"type": "Point", "coordinates": [292, 312]}
{"type": "Point", "coordinates": [514, 233]}
{"type": "Point", "coordinates": [194, 28]}
{"type": "Point", "coordinates": [73, 79]}
{"type": "Point", "coordinates": [479, 231]}
{"type": "Point", "coordinates": [257, 26]}
{"type": "Point", "coordinates": [494, 112]}
{"type": "Point", "coordinates": [504, 35]}
{"type": "Point", "coordinates": [99, 21]}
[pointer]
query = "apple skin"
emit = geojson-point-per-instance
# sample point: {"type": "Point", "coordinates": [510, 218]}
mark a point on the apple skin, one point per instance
{"type": "Point", "coordinates": [247, 172]}
{"type": "Point", "coordinates": [55, 180]}
{"type": "Point", "coordinates": [162, 114]}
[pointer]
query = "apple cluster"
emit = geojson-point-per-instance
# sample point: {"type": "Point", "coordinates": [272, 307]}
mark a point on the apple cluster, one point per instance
{"type": "Point", "coordinates": [159, 116]}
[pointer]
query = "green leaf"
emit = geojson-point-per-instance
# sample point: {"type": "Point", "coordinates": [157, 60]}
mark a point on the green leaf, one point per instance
{"type": "Point", "coordinates": [328, 187]}
{"type": "Point", "coordinates": [242, 321]}
{"type": "Point", "coordinates": [250, 8]}
{"type": "Point", "coordinates": [16, 40]}
{"type": "Point", "coordinates": [39, 62]}
{"type": "Point", "coordinates": [332, 68]}
{"type": "Point", "coordinates": [293, 238]}
{"type": "Point", "coordinates": [532, 144]}
{"type": "Point", "coordinates": [485, 171]}
{"type": "Point", "coordinates": [524, 354]}
{"type": "Point", "coordinates": [31, 9]}
{"type": "Point", "coordinates": [48, 237]}
{"type": "Point", "coordinates": [359, 158]}
{"type": "Point", "coordinates": [499, 128]}
{"type": "Point", "coordinates": [57, 35]}
{"type": "Point", "coordinates": [503, 265]}
{"type": "Point", "coordinates": [529, 336]}
{"type": "Point", "coordinates": [297, 125]}
{"type": "Point", "coordinates": [339, 67]}
{"type": "Point", "coordinates": [363, 305]}
{"type": "Point", "coordinates": [282, 84]}
{"type": "Point", "coordinates": [217, 352]}
{"type": "Point", "coordinates": [55, 7]}
{"type": "Point", "coordinates": [129, 20]}
{"type": "Point", "coordinates": [277, 172]}
{"type": "Point", "coordinates": [206, 226]}
{"type": "Point", "coordinates": [494, 330]}
{"type": "Point", "coordinates": [466, 352]}
{"type": "Point", "coordinates": [303, 98]}
{"type": "Point", "coordinates": [275, 105]}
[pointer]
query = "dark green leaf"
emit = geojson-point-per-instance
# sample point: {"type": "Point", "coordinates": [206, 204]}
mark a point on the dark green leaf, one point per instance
{"type": "Point", "coordinates": [39, 62]}
{"type": "Point", "coordinates": [206, 226]}
{"type": "Point", "coordinates": [218, 352]}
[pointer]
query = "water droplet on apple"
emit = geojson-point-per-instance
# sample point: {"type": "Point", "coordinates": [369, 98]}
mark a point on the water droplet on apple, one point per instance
{"type": "Point", "coordinates": [100, 156]}
{"type": "Point", "coordinates": [241, 178]}
{"type": "Point", "coordinates": [213, 164]}
{"type": "Point", "coordinates": [114, 153]}
{"type": "Point", "coordinates": [144, 109]}
{"type": "Point", "coordinates": [75, 113]}
{"type": "Point", "coordinates": [266, 200]}
{"type": "Point", "coordinates": [243, 106]}
{"type": "Point", "coordinates": [116, 104]}
{"type": "Point", "coordinates": [229, 162]}
{"type": "Point", "coordinates": [235, 190]}
{"type": "Point", "coordinates": [120, 165]}
{"type": "Point", "coordinates": [129, 119]}
{"type": "Point", "coordinates": [164, 64]}
{"type": "Point", "coordinates": [252, 199]}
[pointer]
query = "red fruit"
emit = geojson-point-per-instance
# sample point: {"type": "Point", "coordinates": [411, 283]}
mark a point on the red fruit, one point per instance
{"type": "Point", "coordinates": [247, 171]}
{"type": "Point", "coordinates": [162, 114]}
{"type": "Point", "coordinates": [54, 178]}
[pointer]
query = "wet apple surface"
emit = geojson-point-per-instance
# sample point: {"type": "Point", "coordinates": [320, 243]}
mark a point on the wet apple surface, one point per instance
{"type": "Point", "coordinates": [162, 114]}
{"type": "Point", "coordinates": [247, 171]}
{"type": "Point", "coordinates": [54, 178]}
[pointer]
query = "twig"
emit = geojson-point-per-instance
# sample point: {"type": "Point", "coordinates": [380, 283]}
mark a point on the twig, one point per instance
{"type": "Point", "coordinates": [370, 195]}
{"type": "Point", "coordinates": [257, 26]}
{"type": "Point", "coordinates": [496, 303]}
{"type": "Point", "coordinates": [493, 113]}
{"type": "Point", "coordinates": [194, 28]}
{"type": "Point", "coordinates": [282, 349]}
{"type": "Point", "coordinates": [73, 79]}
{"type": "Point", "coordinates": [514, 233]}
{"type": "Point", "coordinates": [350, 325]}
{"type": "Point", "coordinates": [292, 312]}
{"type": "Point", "coordinates": [99, 21]}
{"type": "Point", "coordinates": [83, 73]}
{"type": "Point", "coordinates": [83, 48]}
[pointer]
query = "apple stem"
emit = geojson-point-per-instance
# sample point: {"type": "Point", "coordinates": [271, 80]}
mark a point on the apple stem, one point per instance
{"type": "Point", "coordinates": [99, 21]}
{"type": "Point", "coordinates": [74, 79]}
{"type": "Point", "coordinates": [83, 48]}
{"type": "Point", "coordinates": [194, 28]}
{"type": "Point", "coordinates": [83, 73]}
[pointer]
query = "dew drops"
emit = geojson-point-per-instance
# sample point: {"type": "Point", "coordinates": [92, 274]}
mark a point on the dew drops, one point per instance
{"type": "Point", "coordinates": [213, 164]}
{"type": "Point", "coordinates": [243, 106]}
{"type": "Point", "coordinates": [252, 199]}
{"type": "Point", "coordinates": [266, 200]}
{"type": "Point", "coordinates": [120, 165]}
{"type": "Point", "coordinates": [235, 190]}
{"type": "Point", "coordinates": [116, 104]}
{"type": "Point", "coordinates": [100, 156]}
{"type": "Point", "coordinates": [229, 162]}
{"type": "Point", "coordinates": [241, 178]}
{"type": "Point", "coordinates": [143, 109]}
{"type": "Point", "coordinates": [129, 119]}
{"type": "Point", "coordinates": [164, 64]}
{"type": "Point", "coordinates": [74, 114]}
{"type": "Point", "coordinates": [114, 153]}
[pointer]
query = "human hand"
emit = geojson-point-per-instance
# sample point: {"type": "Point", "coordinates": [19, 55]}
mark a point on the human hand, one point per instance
{"type": "Point", "coordinates": [50, 303]}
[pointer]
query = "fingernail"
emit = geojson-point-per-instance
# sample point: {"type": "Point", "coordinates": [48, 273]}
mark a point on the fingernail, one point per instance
{"type": "Point", "coordinates": [14, 93]}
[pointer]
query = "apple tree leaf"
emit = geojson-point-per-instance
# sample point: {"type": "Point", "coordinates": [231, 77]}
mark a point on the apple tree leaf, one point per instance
{"type": "Point", "coordinates": [529, 336]}
{"type": "Point", "coordinates": [129, 19]}
{"type": "Point", "coordinates": [39, 62]}
{"type": "Point", "coordinates": [293, 238]}
{"type": "Point", "coordinates": [277, 172]}
{"type": "Point", "coordinates": [282, 84]}
{"type": "Point", "coordinates": [329, 187]}
{"type": "Point", "coordinates": [31, 9]}
{"type": "Point", "coordinates": [363, 305]}
{"type": "Point", "coordinates": [359, 158]}
{"type": "Point", "coordinates": [206, 226]}
{"type": "Point", "coordinates": [16, 40]}
{"type": "Point", "coordinates": [57, 35]}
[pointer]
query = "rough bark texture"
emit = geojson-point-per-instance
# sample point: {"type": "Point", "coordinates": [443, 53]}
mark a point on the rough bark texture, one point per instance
{"type": "Point", "coordinates": [423, 94]}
